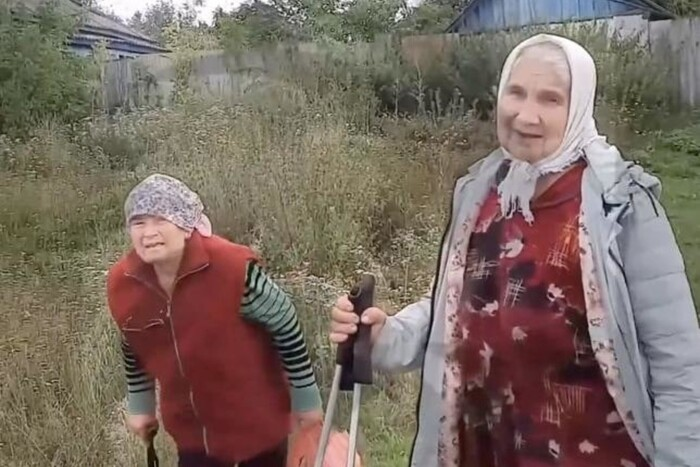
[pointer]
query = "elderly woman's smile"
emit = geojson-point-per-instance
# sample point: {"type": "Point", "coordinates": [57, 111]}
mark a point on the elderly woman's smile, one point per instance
{"type": "Point", "coordinates": [534, 108]}
{"type": "Point", "coordinates": [156, 240]}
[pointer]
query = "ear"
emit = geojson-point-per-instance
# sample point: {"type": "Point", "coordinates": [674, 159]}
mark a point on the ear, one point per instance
{"type": "Point", "coordinates": [188, 234]}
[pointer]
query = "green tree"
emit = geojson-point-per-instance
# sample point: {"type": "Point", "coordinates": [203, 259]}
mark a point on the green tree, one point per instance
{"type": "Point", "coordinates": [164, 15]}
{"type": "Point", "coordinates": [363, 20]}
{"type": "Point", "coordinates": [251, 25]}
{"type": "Point", "coordinates": [430, 17]}
{"type": "Point", "coordinates": [340, 20]}
{"type": "Point", "coordinates": [39, 77]}
{"type": "Point", "coordinates": [97, 7]}
{"type": "Point", "coordinates": [683, 7]}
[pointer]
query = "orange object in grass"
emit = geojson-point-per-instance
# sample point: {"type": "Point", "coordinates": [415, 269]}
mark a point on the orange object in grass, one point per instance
{"type": "Point", "coordinates": [305, 442]}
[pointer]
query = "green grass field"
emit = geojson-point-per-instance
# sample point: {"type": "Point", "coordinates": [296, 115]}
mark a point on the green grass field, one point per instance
{"type": "Point", "coordinates": [378, 206]}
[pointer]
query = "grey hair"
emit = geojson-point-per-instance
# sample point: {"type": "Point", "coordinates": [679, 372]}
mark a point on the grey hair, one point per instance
{"type": "Point", "coordinates": [550, 54]}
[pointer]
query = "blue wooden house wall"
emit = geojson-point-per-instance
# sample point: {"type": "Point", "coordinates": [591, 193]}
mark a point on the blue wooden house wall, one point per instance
{"type": "Point", "coordinates": [494, 15]}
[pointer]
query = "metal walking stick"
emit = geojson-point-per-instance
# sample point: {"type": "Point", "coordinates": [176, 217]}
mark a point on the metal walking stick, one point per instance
{"type": "Point", "coordinates": [353, 369]}
{"type": "Point", "coordinates": [151, 456]}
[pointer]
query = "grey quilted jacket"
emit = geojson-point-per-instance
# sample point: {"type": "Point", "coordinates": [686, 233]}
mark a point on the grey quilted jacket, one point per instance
{"type": "Point", "coordinates": [654, 327]}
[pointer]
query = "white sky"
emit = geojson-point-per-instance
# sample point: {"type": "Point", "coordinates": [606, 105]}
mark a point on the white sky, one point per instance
{"type": "Point", "coordinates": [126, 8]}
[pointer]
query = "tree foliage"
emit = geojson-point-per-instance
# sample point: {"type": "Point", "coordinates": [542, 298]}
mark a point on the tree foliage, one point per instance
{"type": "Point", "coordinates": [430, 17]}
{"type": "Point", "coordinates": [253, 24]}
{"type": "Point", "coordinates": [259, 22]}
{"type": "Point", "coordinates": [164, 15]}
{"type": "Point", "coordinates": [683, 7]}
{"type": "Point", "coordinates": [39, 78]}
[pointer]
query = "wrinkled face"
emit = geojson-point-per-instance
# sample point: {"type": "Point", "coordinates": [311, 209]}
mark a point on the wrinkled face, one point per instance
{"type": "Point", "coordinates": [533, 109]}
{"type": "Point", "coordinates": [156, 240]}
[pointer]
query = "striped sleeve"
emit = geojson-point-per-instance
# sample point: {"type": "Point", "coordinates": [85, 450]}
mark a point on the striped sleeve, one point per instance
{"type": "Point", "coordinates": [266, 303]}
{"type": "Point", "coordinates": [141, 395]}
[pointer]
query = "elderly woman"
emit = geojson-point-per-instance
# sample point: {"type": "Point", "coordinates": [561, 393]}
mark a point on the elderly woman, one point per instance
{"type": "Point", "coordinates": [198, 314]}
{"type": "Point", "coordinates": [561, 329]}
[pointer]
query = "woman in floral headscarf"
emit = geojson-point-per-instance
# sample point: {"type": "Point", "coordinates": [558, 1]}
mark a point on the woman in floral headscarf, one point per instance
{"type": "Point", "coordinates": [560, 330]}
{"type": "Point", "coordinates": [199, 315]}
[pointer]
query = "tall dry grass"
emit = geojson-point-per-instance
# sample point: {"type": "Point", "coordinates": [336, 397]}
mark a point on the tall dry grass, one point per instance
{"type": "Point", "coordinates": [283, 172]}
{"type": "Point", "coordinates": [314, 178]}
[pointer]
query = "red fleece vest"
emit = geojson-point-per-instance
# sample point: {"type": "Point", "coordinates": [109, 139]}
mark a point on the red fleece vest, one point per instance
{"type": "Point", "coordinates": [223, 390]}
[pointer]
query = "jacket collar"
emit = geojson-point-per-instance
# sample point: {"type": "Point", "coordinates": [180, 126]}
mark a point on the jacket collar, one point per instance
{"type": "Point", "coordinates": [607, 187]}
{"type": "Point", "coordinates": [481, 176]}
{"type": "Point", "coordinates": [613, 178]}
{"type": "Point", "coordinates": [195, 258]}
{"type": "Point", "coordinates": [487, 166]}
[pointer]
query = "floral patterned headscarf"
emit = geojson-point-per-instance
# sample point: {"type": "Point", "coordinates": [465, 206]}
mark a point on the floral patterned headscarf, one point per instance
{"type": "Point", "coordinates": [167, 197]}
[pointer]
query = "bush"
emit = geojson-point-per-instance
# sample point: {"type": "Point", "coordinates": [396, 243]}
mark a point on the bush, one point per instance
{"type": "Point", "coordinates": [453, 76]}
{"type": "Point", "coordinates": [39, 78]}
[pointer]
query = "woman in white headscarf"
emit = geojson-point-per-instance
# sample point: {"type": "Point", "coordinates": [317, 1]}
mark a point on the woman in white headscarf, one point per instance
{"type": "Point", "coordinates": [560, 329]}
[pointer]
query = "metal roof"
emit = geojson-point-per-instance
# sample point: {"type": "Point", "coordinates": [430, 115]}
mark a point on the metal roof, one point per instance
{"type": "Point", "coordinates": [97, 27]}
{"type": "Point", "coordinates": [494, 15]}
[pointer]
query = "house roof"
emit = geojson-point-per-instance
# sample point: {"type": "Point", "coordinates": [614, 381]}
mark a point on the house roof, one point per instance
{"type": "Point", "coordinates": [653, 7]}
{"type": "Point", "coordinates": [96, 26]}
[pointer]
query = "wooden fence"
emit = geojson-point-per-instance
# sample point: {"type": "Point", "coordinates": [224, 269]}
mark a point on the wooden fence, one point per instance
{"type": "Point", "coordinates": [680, 40]}
{"type": "Point", "coordinates": [152, 80]}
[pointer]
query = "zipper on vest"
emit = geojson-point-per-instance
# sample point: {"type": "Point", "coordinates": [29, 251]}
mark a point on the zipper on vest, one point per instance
{"type": "Point", "coordinates": [181, 367]}
{"type": "Point", "coordinates": [182, 373]}
{"type": "Point", "coordinates": [179, 361]}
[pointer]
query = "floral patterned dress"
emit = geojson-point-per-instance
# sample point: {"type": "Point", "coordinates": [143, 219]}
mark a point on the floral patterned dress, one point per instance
{"type": "Point", "coordinates": [533, 395]}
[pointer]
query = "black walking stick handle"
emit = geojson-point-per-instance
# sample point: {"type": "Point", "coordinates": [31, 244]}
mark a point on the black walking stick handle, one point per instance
{"type": "Point", "coordinates": [353, 368]}
{"type": "Point", "coordinates": [354, 355]}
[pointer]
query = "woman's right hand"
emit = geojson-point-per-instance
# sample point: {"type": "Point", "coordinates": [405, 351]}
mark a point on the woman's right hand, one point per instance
{"type": "Point", "coordinates": [344, 321]}
{"type": "Point", "coordinates": [144, 426]}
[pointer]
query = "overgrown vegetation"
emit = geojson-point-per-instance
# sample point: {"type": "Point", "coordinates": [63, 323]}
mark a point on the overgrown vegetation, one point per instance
{"type": "Point", "coordinates": [459, 76]}
{"type": "Point", "coordinates": [39, 80]}
{"type": "Point", "coordinates": [383, 145]}
{"type": "Point", "coordinates": [683, 7]}
{"type": "Point", "coordinates": [258, 22]}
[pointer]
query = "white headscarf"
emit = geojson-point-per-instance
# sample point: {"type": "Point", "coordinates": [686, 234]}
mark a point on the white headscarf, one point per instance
{"type": "Point", "coordinates": [580, 137]}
